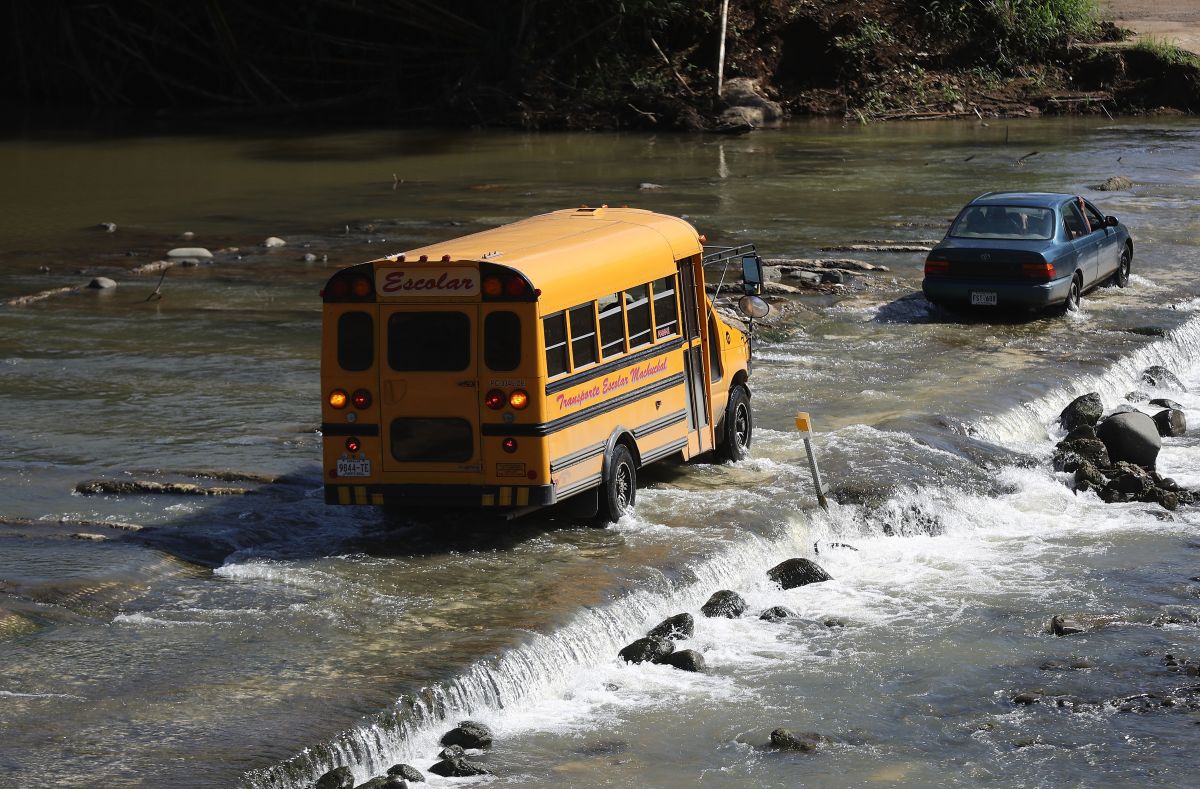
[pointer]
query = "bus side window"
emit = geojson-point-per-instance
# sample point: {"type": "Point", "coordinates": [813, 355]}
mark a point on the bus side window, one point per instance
{"type": "Point", "coordinates": [637, 312]}
{"type": "Point", "coordinates": [356, 341]}
{"type": "Point", "coordinates": [502, 341]}
{"type": "Point", "coordinates": [555, 328]}
{"type": "Point", "coordinates": [583, 335]}
{"type": "Point", "coordinates": [666, 312]}
{"type": "Point", "coordinates": [612, 326]}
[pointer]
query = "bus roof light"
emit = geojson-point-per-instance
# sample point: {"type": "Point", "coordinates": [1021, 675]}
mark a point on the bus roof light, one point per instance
{"type": "Point", "coordinates": [445, 258]}
{"type": "Point", "coordinates": [423, 259]}
{"type": "Point", "coordinates": [400, 258]}
{"type": "Point", "coordinates": [515, 286]}
{"type": "Point", "coordinates": [338, 288]}
{"type": "Point", "coordinates": [360, 287]}
{"type": "Point", "coordinates": [492, 287]}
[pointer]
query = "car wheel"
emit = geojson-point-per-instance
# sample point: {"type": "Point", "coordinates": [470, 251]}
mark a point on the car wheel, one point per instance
{"type": "Point", "coordinates": [739, 427]}
{"type": "Point", "coordinates": [1073, 295]}
{"type": "Point", "coordinates": [619, 491]}
{"type": "Point", "coordinates": [1121, 278]}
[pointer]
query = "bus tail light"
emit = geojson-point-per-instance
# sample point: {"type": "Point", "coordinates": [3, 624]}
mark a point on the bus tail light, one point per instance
{"type": "Point", "coordinates": [1043, 272]}
{"type": "Point", "coordinates": [509, 445]}
{"type": "Point", "coordinates": [492, 287]}
{"type": "Point", "coordinates": [518, 399]}
{"type": "Point", "coordinates": [494, 400]}
{"type": "Point", "coordinates": [338, 399]}
{"type": "Point", "coordinates": [353, 445]}
{"type": "Point", "coordinates": [361, 398]}
{"type": "Point", "coordinates": [515, 286]}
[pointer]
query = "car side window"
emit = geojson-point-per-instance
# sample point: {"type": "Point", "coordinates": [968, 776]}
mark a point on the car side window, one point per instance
{"type": "Point", "coordinates": [1095, 218]}
{"type": "Point", "coordinates": [1073, 221]}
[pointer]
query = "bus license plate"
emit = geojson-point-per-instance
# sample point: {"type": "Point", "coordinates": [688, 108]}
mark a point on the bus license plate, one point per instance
{"type": "Point", "coordinates": [350, 467]}
{"type": "Point", "coordinates": [987, 299]}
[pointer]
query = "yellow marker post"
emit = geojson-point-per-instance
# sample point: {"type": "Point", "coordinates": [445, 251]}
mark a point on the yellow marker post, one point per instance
{"type": "Point", "coordinates": [804, 425]}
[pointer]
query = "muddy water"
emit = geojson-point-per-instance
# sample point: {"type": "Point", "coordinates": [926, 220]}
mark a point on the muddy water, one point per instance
{"type": "Point", "coordinates": [259, 640]}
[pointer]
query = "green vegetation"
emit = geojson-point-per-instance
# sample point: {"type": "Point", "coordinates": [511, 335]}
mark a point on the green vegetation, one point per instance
{"type": "Point", "coordinates": [1009, 33]}
{"type": "Point", "coordinates": [1166, 52]}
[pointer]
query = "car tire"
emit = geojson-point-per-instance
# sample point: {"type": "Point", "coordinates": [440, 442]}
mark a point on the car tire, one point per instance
{"type": "Point", "coordinates": [618, 491]}
{"type": "Point", "coordinates": [1074, 295]}
{"type": "Point", "coordinates": [1121, 278]}
{"type": "Point", "coordinates": [738, 426]}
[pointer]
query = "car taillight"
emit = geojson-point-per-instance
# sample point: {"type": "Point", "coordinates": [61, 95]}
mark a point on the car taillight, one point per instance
{"type": "Point", "coordinates": [353, 445]}
{"type": "Point", "coordinates": [1039, 271]}
{"type": "Point", "coordinates": [518, 399]}
{"type": "Point", "coordinates": [494, 400]}
{"type": "Point", "coordinates": [937, 266]}
{"type": "Point", "coordinates": [361, 398]}
{"type": "Point", "coordinates": [338, 398]}
{"type": "Point", "coordinates": [509, 445]}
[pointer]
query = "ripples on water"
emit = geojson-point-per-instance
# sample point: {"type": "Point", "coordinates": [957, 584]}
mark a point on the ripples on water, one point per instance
{"type": "Point", "coordinates": [153, 670]}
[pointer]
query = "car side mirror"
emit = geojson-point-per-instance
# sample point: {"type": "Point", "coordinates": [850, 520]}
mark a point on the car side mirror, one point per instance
{"type": "Point", "coordinates": [752, 275]}
{"type": "Point", "coordinates": [1111, 221]}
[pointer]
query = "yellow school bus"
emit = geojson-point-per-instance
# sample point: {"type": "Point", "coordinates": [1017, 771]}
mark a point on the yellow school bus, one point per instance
{"type": "Point", "coordinates": [516, 368]}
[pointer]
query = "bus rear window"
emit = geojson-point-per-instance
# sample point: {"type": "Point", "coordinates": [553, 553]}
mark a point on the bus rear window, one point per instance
{"type": "Point", "coordinates": [502, 341]}
{"type": "Point", "coordinates": [555, 329]}
{"type": "Point", "coordinates": [356, 341]}
{"type": "Point", "coordinates": [429, 341]}
{"type": "Point", "coordinates": [431, 440]}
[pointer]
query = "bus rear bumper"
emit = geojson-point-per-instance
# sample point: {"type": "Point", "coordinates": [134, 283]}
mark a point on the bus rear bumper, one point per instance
{"type": "Point", "coordinates": [449, 496]}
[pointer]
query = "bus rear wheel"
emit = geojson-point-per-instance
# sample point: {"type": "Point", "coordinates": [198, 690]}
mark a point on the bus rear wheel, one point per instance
{"type": "Point", "coordinates": [738, 427]}
{"type": "Point", "coordinates": [618, 492]}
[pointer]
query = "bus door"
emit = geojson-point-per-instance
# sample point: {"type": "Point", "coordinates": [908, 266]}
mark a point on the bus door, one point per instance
{"type": "Point", "coordinates": [429, 390]}
{"type": "Point", "coordinates": [699, 432]}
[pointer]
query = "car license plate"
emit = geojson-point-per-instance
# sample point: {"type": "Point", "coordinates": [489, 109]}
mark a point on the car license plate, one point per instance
{"type": "Point", "coordinates": [985, 298]}
{"type": "Point", "coordinates": [352, 467]}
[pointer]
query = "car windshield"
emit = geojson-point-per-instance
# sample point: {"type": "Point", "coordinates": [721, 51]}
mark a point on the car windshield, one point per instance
{"type": "Point", "coordinates": [1005, 221]}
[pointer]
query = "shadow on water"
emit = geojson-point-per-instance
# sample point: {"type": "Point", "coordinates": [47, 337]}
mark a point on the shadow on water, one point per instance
{"type": "Point", "coordinates": [914, 308]}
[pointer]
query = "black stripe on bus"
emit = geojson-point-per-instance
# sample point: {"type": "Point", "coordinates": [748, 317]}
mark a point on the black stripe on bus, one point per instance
{"type": "Point", "coordinates": [587, 453]}
{"type": "Point", "coordinates": [615, 364]}
{"type": "Point", "coordinates": [660, 424]}
{"type": "Point", "coordinates": [663, 451]}
{"type": "Point", "coordinates": [553, 426]}
{"type": "Point", "coordinates": [349, 429]}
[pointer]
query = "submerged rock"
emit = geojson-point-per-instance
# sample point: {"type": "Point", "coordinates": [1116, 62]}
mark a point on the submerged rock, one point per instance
{"type": "Point", "coordinates": [1058, 626]}
{"type": "Point", "coordinates": [384, 782]}
{"type": "Point", "coordinates": [1159, 376]}
{"type": "Point", "coordinates": [679, 626]}
{"type": "Point", "coordinates": [1131, 437]}
{"type": "Point", "coordinates": [337, 778]}
{"type": "Point", "coordinates": [1171, 422]}
{"type": "Point", "coordinates": [102, 283]}
{"type": "Point", "coordinates": [777, 613]}
{"type": "Point", "coordinates": [724, 603]}
{"type": "Point", "coordinates": [1084, 410]}
{"type": "Point", "coordinates": [407, 772]}
{"type": "Point", "coordinates": [651, 649]}
{"type": "Point", "coordinates": [797, 572]}
{"type": "Point", "coordinates": [189, 252]}
{"type": "Point", "coordinates": [457, 767]}
{"type": "Point", "coordinates": [787, 740]}
{"type": "Point", "coordinates": [452, 752]}
{"type": "Point", "coordinates": [273, 242]}
{"type": "Point", "coordinates": [686, 660]}
{"type": "Point", "coordinates": [469, 734]}
{"type": "Point", "coordinates": [1164, 402]}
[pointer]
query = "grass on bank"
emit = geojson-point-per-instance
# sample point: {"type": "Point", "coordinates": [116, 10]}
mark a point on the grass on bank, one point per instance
{"type": "Point", "coordinates": [1167, 52]}
{"type": "Point", "coordinates": [1008, 33]}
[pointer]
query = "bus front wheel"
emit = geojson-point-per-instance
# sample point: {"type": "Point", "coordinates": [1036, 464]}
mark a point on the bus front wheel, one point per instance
{"type": "Point", "coordinates": [738, 427]}
{"type": "Point", "coordinates": [619, 490]}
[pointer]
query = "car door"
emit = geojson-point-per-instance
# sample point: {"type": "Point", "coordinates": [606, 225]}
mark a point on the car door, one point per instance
{"type": "Point", "coordinates": [1085, 243]}
{"type": "Point", "coordinates": [1109, 249]}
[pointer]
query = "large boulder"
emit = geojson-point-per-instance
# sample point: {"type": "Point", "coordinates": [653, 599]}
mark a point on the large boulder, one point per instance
{"type": "Point", "coordinates": [1128, 479]}
{"type": "Point", "coordinates": [1131, 437]}
{"type": "Point", "coordinates": [1116, 183]}
{"type": "Point", "coordinates": [337, 778]}
{"type": "Point", "coordinates": [777, 613]}
{"type": "Point", "coordinates": [797, 572]}
{"type": "Point", "coordinates": [1160, 377]}
{"type": "Point", "coordinates": [1083, 410]}
{"type": "Point", "coordinates": [686, 660]}
{"type": "Point", "coordinates": [651, 649]}
{"type": "Point", "coordinates": [1163, 402]}
{"type": "Point", "coordinates": [407, 772]}
{"type": "Point", "coordinates": [724, 603]}
{"type": "Point", "coordinates": [787, 740]}
{"type": "Point", "coordinates": [384, 782]}
{"type": "Point", "coordinates": [678, 626]}
{"type": "Point", "coordinates": [469, 734]}
{"type": "Point", "coordinates": [457, 767]}
{"type": "Point", "coordinates": [1170, 422]}
{"type": "Point", "coordinates": [744, 92]}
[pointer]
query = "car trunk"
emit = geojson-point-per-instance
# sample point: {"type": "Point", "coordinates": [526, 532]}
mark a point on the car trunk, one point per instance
{"type": "Point", "coordinates": [997, 261]}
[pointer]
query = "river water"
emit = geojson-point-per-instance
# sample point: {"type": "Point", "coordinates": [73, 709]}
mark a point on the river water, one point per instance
{"type": "Point", "coordinates": [257, 641]}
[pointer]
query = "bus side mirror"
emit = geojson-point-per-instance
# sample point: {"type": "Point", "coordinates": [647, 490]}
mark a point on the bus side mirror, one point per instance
{"type": "Point", "coordinates": [752, 275]}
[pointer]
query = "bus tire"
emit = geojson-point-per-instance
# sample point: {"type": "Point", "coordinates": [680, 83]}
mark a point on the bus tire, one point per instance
{"type": "Point", "coordinates": [618, 490]}
{"type": "Point", "coordinates": [737, 426]}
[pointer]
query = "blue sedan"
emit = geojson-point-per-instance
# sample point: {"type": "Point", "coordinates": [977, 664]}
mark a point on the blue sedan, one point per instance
{"type": "Point", "coordinates": [1027, 250]}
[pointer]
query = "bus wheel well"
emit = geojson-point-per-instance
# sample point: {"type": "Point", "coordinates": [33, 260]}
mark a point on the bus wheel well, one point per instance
{"type": "Point", "coordinates": [622, 436]}
{"type": "Point", "coordinates": [739, 379]}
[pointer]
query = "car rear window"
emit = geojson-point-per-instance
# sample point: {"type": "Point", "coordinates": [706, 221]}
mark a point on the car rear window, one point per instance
{"type": "Point", "coordinates": [1022, 223]}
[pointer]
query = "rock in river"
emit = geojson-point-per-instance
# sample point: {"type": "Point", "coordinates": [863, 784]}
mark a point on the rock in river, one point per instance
{"type": "Point", "coordinates": [457, 767]}
{"type": "Point", "coordinates": [189, 252]}
{"type": "Point", "coordinates": [1132, 437]}
{"type": "Point", "coordinates": [337, 778]}
{"type": "Point", "coordinates": [1159, 376]}
{"type": "Point", "coordinates": [787, 740]}
{"type": "Point", "coordinates": [1117, 183]}
{"type": "Point", "coordinates": [777, 613]}
{"type": "Point", "coordinates": [469, 734]}
{"type": "Point", "coordinates": [1170, 422]}
{"type": "Point", "coordinates": [407, 772]}
{"type": "Point", "coordinates": [678, 626]}
{"type": "Point", "coordinates": [384, 782]}
{"type": "Point", "coordinates": [686, 660]}
{"type": "Point", "coordinates": [1163, 402]}
{"type": "Point", "coordinates": [797, 572]}
{"type": "Point", "coordinates": [102, 283]}
{"type": "Point", "coordinates": [273, 242]}
{"type": "Point", "coordinates": [1062, 627]}
{"type": "Point", "coordinates": [651, 649]}
{"type": "Point", "coordinates": [1083, 410]}
{"type": "Point", "coordinates": [724, 603]}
